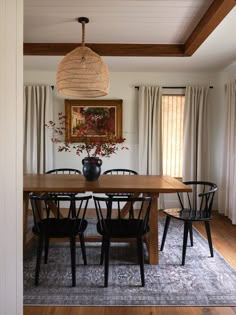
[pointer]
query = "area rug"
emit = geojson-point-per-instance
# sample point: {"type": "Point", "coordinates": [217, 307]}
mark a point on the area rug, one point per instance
{"type": "Point", "coordinates": [203, 281]}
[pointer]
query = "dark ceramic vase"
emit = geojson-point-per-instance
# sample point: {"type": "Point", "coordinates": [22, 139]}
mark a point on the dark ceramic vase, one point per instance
{"type": "Point", "coordinates": [91, 168]}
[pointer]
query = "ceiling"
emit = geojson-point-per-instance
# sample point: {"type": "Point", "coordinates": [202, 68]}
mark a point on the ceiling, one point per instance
{"type": "Point", "coordinates": [133, 35]}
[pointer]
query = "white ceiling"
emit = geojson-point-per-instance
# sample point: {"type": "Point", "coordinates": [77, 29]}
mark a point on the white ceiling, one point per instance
{"type": "Point", "coordinates": [129, 21]}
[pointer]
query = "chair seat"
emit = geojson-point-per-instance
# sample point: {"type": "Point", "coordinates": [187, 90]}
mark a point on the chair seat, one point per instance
{"type": "Point", "coordinates": [60, 227]}
{"type": "Point", "coordinates": [187, 214]}
{"type": "Point", "coordinates": [123, 228]}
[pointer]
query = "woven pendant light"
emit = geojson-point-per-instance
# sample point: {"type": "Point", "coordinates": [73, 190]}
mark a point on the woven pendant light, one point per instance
{"type": "Point", "coordinates": [82, 73]}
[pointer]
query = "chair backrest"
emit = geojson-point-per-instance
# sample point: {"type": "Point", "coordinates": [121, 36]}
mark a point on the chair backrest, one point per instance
{"type": "Point", "coordinates": [120, 171]}
{"type": "Point", "coordinates": [138, 213]}
{"type": "Point", "coordinates": [48, 206]}
{"type": "Point", "coordinates": [200, 199]}
{"type": "Point", "coordinates": [64, 171]}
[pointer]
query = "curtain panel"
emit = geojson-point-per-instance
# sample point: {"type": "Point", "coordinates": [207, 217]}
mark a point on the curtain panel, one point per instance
{"type": "Point", "coordinates": [150, 130]}
{"type": "Point", "coordinates": [195, 135]}
{"type": "Point", "coordinates": [38, 110]}
{"type": "Point", "coordinates": [226, 194]}
{"type": "Point", "coordinates": [150, 133]}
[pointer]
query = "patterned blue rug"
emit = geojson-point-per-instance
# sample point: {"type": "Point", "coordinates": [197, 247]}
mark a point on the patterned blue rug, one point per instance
{"type": "Point", "coordinates": [203, 281]}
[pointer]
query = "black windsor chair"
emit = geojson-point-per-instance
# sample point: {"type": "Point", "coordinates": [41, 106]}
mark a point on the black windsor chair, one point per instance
{"type": "Point", "coordinates": [111, 224]}
{"type": "Point", "coordinates": [64, 171]}
{"type": "Point", "coordinates": [70, 194]}
{"type": "Point", "coordinates": [120, 171]}
{"type": "Point", "coordinates": [48, 224]}
{"type": "Point", "coordinates": [194, 206]}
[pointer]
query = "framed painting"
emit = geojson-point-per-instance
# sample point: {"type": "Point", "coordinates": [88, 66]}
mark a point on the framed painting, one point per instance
{"type": "Point", "coordinates": [92, 119]}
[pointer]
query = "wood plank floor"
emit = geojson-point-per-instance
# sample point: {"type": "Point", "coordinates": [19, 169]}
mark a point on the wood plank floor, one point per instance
{"type": "Point", "coordinates": [224, 241]}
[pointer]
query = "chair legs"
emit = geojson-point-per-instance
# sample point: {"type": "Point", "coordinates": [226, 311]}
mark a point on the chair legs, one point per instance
{"type": "Point", "coordinates": [141, 259]}
{"type": "Point", "coordinates": [105, 253]}
{"type": "Point", "coordinates": [191, 233]}
{"type": "Point", "coordinates": [82, 244]}
{"type": "Point", "coordinates": [73, 258]}
{"type": "Point", "coordinates": [208, 231]}
{"type": "Point", "coordinates": [106, 267]}
{"type": "Point", "coordinates": [105, 249]}
{"type": "Point", "coordinates": [38, 260]}
{"type": "Point", "coordinates": [46, 247]}
{"type": "Point", "coordinates": [185, 240]}
{"type": "Point", "coordinates": [167, 223]}
{"type": "Point", "coordinates": [72, 253]}
{"type": "Point", "coordinates": [188, 229]}
{"type": "Point", "coordinates": [102, 252]}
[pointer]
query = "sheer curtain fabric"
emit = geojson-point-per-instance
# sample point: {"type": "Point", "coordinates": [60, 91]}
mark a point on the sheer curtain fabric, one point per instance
{"type": "Point", "coordinates": [226, 194]}
{"type": "Point", "coordinates": [195, 136]}
{"type": "Point", "coordinates": [38, 110]}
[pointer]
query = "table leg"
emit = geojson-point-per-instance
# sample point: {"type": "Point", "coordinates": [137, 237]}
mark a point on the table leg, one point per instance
{"type": "Point", "coordinates": [152, 241]}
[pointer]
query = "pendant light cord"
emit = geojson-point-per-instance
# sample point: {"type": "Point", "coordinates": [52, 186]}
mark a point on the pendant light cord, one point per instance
{"type": "Point", "coordinates": [83, 33]}
{"type": "Point", "coordinates": [83, 20]}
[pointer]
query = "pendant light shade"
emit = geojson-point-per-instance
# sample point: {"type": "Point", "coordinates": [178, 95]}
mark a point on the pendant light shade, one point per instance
{"type": "Point", "coordinates": [82, 73]}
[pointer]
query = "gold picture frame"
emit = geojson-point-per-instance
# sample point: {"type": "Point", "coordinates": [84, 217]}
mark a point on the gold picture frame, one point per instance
{"type": "Point", "coordinates": [99, 117]}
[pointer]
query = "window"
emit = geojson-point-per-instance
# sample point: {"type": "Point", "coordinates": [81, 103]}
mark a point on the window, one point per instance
{"type": "Point", "coordinates": [172, 134]}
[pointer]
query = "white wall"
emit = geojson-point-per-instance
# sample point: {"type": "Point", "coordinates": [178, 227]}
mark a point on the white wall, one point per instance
{"type": "Point", "coordinates": [11, 166]}
{"type": "Point", "coordinates": [122, 86]}
{"type": "Point", "coordinates": [229, 73]}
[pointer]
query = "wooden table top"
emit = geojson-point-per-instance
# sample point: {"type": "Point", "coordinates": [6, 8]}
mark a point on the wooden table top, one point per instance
{"type": "Point", "coordinates": [105, 183]}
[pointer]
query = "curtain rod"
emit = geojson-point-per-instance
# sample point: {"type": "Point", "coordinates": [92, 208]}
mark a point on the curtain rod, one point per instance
{"type": "Point", "coordinates": [172, 87]}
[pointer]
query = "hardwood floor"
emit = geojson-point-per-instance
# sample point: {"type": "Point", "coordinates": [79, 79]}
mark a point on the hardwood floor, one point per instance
{"type": "Point", "coordinates": [224, 241]}
{"type": "Point", "coordinates": [61, 310]}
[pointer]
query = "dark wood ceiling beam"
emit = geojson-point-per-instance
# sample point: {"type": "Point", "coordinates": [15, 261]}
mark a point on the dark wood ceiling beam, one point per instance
{"type": "Point", "coordinates": [137, 50]}
{"type": "Point", "coordinates": [210, 20]}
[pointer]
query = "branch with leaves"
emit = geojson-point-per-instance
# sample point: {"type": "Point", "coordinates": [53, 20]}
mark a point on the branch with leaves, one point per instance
{"type": "Point", "coordinates": [103, 146]}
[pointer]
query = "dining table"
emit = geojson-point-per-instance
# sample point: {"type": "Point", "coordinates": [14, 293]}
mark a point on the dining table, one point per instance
{"type": "Point", "coordinates": [149, 185]}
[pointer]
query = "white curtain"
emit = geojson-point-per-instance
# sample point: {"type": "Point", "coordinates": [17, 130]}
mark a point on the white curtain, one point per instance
{"type": "Point", "coordinates": [150, 130]}
{"type": "Point", "coordinates": [195, 142]}
{"type": "Point", "coordinates": [38, 110]}
{"type": "Point", "coordinates": [226, 191]}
